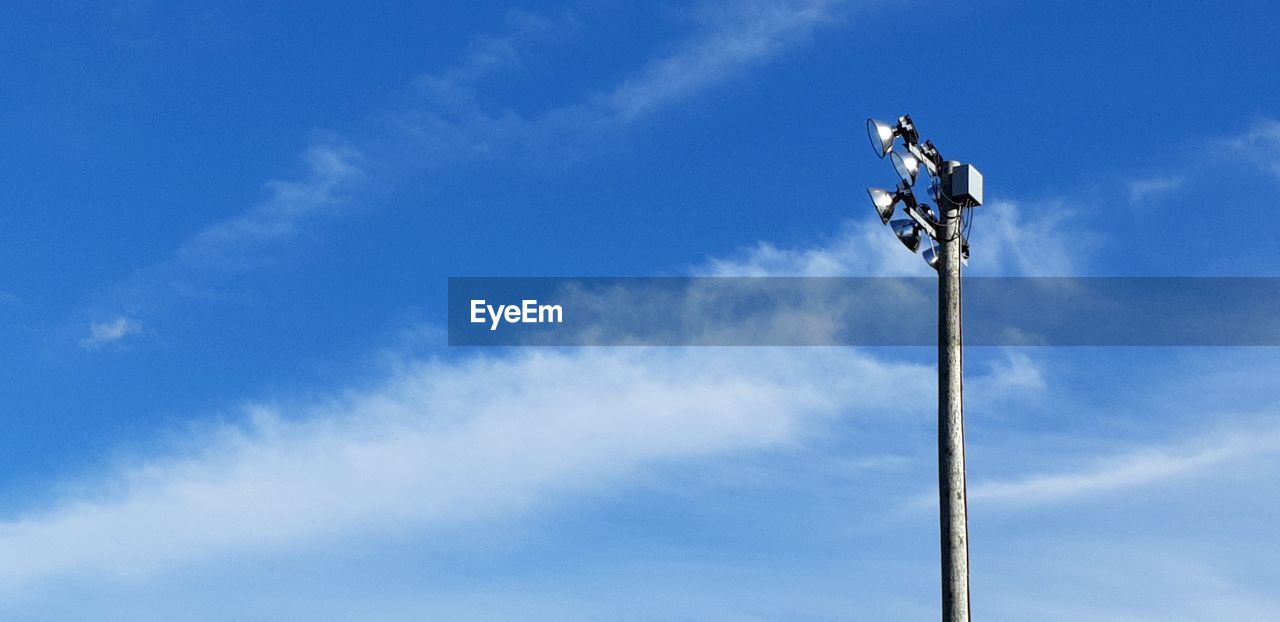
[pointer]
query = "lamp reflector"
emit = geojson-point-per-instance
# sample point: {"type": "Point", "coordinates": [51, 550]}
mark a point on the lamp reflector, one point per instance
{"type": "Point", "coordinates": [881, 136]}
{"type": "Point", "coordinates": [929, 214]}
{"type": "Point", "coordinates": [908, 232]}
{"type": "Point", "coordinates": [931, 255]}
{"type": "Point", "coordinates": [884, 202]}
{"type": "Point", "coordinates": [907, 165]}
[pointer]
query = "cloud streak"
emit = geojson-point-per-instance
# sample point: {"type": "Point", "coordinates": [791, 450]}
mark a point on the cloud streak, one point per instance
{"type": "Point", "coordinates": [1259, 145]}
{"type": "Point", "coordinates": [451, 125]}
{"type": "Point", "coordinates": [1141, 190]}
{"type": "Point", "coordinates": [1128, 471]}
{"type": "Point", "coordinates": [113, 331]}
{"type": "Point", "coordinates": [734, 38]}
{"type": "Point", "coordinates": [440, 443]}
{"type": "Point", "coordinates": [446, 124]}
{"type": "Point", "coordinates": [1003, 237]}
{"type": "Point", "coordinates": [238, 243]}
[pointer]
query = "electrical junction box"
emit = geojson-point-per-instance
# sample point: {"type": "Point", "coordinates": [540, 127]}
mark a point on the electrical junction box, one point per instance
{"type": "Point", "coordinates": [966, 184]}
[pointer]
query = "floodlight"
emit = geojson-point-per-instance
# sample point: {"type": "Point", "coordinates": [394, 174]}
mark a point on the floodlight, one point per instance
{"type": "Point", "coordinates": [907, 165]}
{"type": "Point", "coordinates": [931, 256]}
{"type": "Point", "coordinates": [884, 201]}
{"type": "Point", "coordinates": [929, 214]}
{"type": "Point", "coordinates": [881, 136]}
{"type": "Point", "coordinates": [908, 232]}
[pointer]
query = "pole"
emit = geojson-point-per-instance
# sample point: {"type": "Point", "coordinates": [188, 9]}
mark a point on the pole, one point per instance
{"type": "Point", "coordinates": [952, 501]}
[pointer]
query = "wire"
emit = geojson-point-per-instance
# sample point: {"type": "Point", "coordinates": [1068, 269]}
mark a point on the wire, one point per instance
{"type": "Point", "coordinates": [963, 207]}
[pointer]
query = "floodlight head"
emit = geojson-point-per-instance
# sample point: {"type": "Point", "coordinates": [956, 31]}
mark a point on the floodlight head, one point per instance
{"type": "Point", "coordinates": [881, 136]}
{"type": "Point", "coordinates": [929, 214]}
{"type": "Point", "coordinates": [908, 232]}
{"type": "Point", "coordinates": [884, 201]}
{"type": "Point", "coordinates": [931, 257]}
{"type": "Point", "coordinates": [907, 165]}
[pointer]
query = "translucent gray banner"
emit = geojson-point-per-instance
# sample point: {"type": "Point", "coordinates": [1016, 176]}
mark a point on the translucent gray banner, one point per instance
{"type": "Point", "coordinates": [862, 311]}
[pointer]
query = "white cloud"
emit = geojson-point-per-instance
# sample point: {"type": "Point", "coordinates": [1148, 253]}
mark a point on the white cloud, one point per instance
{"type": "Point", "coordinates": [1028, 239]}
{"type": "Point", "coordinates": [1128, 579]}
{"type": "Point", "coordinates": [1013, 374]}
{"type": "Point", "coordinates": [453, 88]}
{"type": "Point", "coordinates": [449, 125]}
{"type": "Point", "coordinates": [446, 442]}
{"type": "Point", "coordinates": [735, 37]}
{"type": "Point", "coordinates": [238, 242]}
{"type": "Point", "coordinates": [1260, 146]}
{"type": "Point", "coordinates": [443, 443]}
{"type": "Point", "coordinates": [1256, 148]}
{"type": "Point", "coordinates": [1008, 239]}
{"type": "Point", "coordinates": [1141, 190]}
{"type": "Point", "coordinates": [861, 249]}
{"type": "Point", "coordinates": [103, 333]}
{"type": "Point", "coordinates": [1127, 471]}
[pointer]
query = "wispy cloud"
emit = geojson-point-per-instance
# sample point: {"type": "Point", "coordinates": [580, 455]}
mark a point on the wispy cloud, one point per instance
{"type": "Point", "coordinates": [112, 331]}
{"type": "Point", "coordinates": [1015, 374]}
{"type": "Point", "coordinates": [860, 249]}
{"type": "Point", "coordinates": [447, 124]}
{"type": "Point", "coordinates": [450, 124]}
{"type": "Point", "coordinates": [1146, 579]}
{"type": "Point", "coordinates": [1141, 190]}
{"type": "Point", "coordinates": [238, 243]}
{"type": "Point", "coordinates": [1254, 149]}
{"type": "Point", "coordinates": [1259, 145]}
{"type": "Point", "coordinates": [454, 88]}
{"type": "Point", "coordinates": [1029, 239]}
{"type": "Point", "coordinates": [1125, 471]}
{"type": "Point", "coordinates": [1006, 241]}
{"type": "Point", "coordinates": [437, 443]}
{"type": "Point", "coordinates": [734, 38]}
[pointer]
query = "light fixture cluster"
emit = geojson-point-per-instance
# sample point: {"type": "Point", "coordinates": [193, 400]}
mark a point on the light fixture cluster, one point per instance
{"type": "Point", "coordinates": [950, 183]}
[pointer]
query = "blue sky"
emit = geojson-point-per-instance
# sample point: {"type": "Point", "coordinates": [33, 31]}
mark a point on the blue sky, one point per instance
{"type": "Point", "coordinates": [225, 243]}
